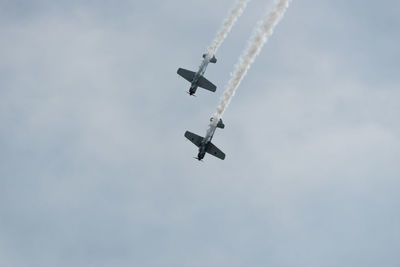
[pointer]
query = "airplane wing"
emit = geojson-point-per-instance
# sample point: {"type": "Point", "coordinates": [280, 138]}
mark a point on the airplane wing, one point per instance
{"type": "Point", "coordinates": [213, 150]}
{"type": "Point", "coordinates": [194, 138]}
{"type": "Point", "coordinates": [187, 74]}
{"type": "Point", "coordinates": [206, 84]}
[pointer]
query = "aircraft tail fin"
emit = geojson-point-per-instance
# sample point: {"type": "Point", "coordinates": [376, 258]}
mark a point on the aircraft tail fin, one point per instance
{"type": "Point", "coordinates": [194, 138]}
{"type": "Point", "coordinates": [213, 150]}
{"type": "Point", "coordinates": [206, 84]}
{"type": "Point", "coordinates": [186, 74]}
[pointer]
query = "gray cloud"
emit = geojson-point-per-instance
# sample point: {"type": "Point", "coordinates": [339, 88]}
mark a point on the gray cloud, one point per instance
{"type": "Point", "coordinates": [95, 170]}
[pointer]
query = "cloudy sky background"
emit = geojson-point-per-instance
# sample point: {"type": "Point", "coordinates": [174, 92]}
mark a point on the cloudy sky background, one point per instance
{"type": "Point", "coordinates": [95, 171]}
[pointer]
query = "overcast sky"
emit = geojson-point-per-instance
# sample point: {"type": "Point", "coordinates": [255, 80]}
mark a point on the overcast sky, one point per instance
{"type": "Point", "coordinates": [95, 170]}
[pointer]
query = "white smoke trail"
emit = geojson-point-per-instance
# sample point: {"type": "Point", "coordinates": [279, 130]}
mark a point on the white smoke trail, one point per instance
{"type": "Point", "coordinates": [263, 31]}
{"type": "Point", "coordinates": [234, 14]}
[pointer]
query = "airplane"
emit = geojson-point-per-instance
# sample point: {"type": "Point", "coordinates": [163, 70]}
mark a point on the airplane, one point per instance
{"type": "Point", "coordinates": [196, 78]}
{"type": "Point", "coordinates": [204, 144]}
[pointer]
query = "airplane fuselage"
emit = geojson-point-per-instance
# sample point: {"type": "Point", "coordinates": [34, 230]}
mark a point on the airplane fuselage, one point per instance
{"type": "Point", "coordinates": [206, 141]}
{"type": "Point", "coordinates": [197, 79]}
{"type": "Point", "coordinates": [204, 144]}
{"type": "Point", "coordinates": [199, 73]}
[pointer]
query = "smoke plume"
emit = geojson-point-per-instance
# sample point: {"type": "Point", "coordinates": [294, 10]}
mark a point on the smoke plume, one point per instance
{"type": "Point", "coordinates": [234, 14]}
{"type": "Point", "coordinates": [263, 31]}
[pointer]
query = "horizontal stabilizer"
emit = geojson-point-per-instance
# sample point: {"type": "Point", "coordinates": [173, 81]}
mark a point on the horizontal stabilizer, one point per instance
{"type": "Point", "coordinates": [186, 74]}
{"type": "Point", "coordinates": [213, 150]}
{"type": "Point", "coordinates": [206, 84]}
{"type": "Point", "coordinates": [194, 138]}
{"type": "Point", "coordinates": [212, 60]}
{"type": "Point", "coordinates": [220, 124]}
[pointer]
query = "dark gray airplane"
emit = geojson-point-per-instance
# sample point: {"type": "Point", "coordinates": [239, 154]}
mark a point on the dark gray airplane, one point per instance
{"type": "Point", "coordinates": [204, 144]}
{"type": "Point", "coordinates": [196, 78]}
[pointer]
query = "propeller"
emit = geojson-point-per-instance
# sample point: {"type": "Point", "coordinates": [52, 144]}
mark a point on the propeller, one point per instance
{"type": "Point", "coordinates": [198, 159]}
